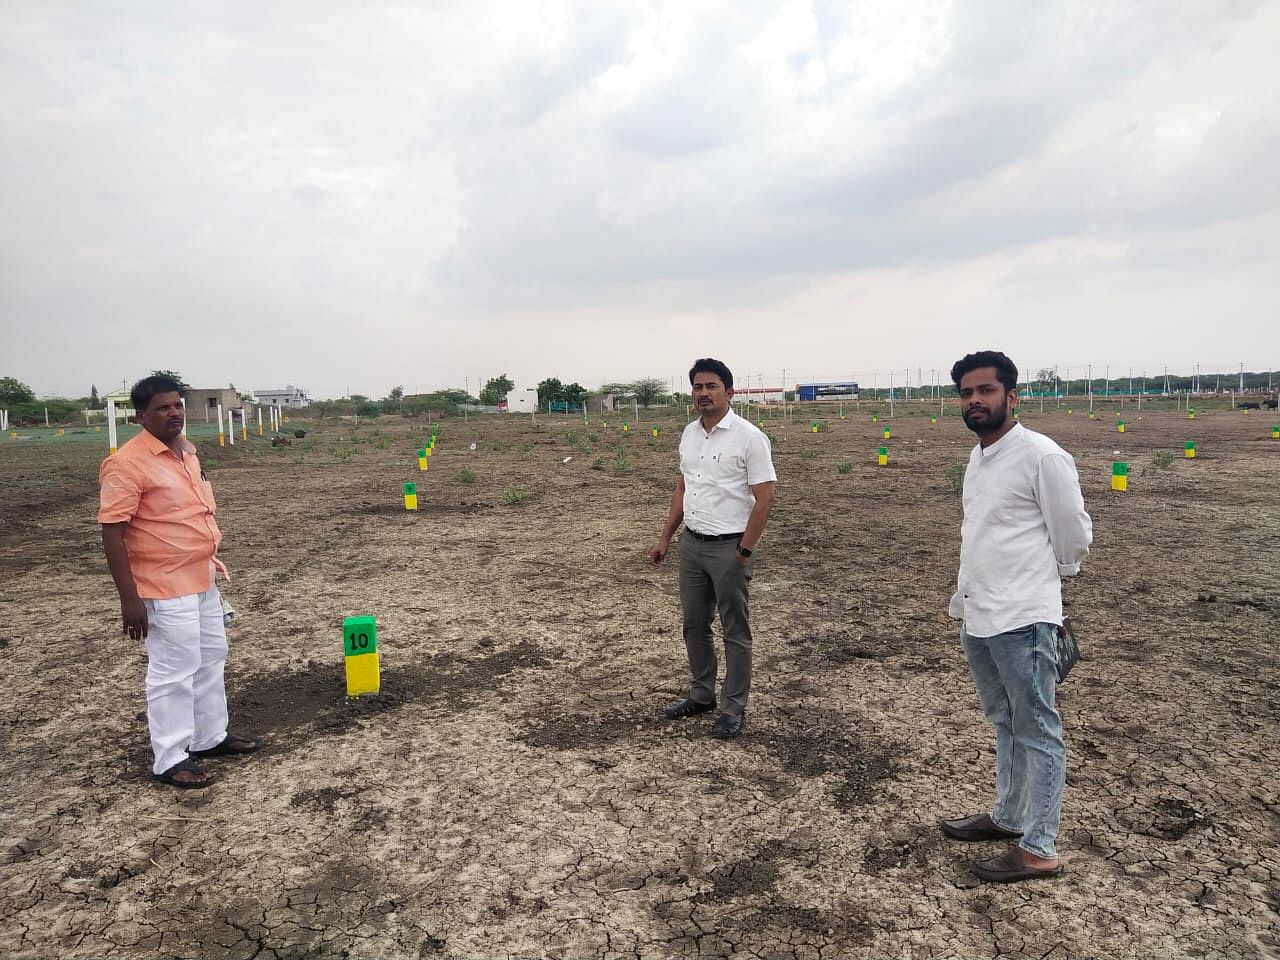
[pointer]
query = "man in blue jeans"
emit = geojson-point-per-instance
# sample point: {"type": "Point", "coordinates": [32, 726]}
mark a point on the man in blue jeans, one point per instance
{"type": "Point", "coordinates": [1024, 528]}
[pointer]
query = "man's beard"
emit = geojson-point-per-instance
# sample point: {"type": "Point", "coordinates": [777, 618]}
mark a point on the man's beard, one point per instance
{"type": "Point", "coordinates": [994, 420]}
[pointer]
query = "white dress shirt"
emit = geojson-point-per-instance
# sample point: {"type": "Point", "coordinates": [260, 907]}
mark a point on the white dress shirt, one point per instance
{"type": "Point", "coordinates": [719, 469]}
{"type": "Point", "coordinates": [1024, 528]}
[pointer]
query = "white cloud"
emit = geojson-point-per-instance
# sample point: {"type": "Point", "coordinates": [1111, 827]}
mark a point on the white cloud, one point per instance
{"type": "Point", "coordinates": [414, 193]}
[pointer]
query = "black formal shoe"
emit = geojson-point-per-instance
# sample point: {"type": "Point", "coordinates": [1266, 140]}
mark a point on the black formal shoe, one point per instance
{"type": "Point", "coordinates": [980, 826]}
{"type": "Point", "coordinates": [687, 708]}
{"type": "Point", "coordinates": [728, 725]}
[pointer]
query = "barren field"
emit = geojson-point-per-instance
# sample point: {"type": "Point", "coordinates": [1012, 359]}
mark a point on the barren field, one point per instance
{"type": "Point", "coordinates": [513, 792]}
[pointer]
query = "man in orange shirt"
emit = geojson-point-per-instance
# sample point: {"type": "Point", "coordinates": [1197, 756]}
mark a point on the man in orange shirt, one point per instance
{"type": "Point", "coordinates": [158, 529]}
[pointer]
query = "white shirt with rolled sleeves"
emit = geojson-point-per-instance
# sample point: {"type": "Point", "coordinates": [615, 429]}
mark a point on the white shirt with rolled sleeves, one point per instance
{"type": "Point", "coordinates": [1025, 527]}
{"type": "Point", "coordinates": [719, 469]}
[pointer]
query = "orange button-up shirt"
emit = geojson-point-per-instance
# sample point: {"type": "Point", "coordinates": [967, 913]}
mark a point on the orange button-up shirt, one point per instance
{"type": "Point", "coordinates": [172, 537]}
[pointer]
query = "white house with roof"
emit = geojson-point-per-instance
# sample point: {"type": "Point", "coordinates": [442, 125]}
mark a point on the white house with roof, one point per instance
{"type": "Point", "coordinates": [290, 396]}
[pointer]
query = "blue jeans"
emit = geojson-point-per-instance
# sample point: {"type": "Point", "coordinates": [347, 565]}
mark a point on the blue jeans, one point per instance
{"type": "Point", "coordinates": [1016, 676]}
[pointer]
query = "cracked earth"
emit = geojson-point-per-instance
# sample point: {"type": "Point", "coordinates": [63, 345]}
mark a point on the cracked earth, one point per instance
{"type": "Point", "coordinates": [514, 792]}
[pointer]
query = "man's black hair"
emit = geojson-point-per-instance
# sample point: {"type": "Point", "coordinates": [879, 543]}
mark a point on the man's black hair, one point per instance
{"type": "Point", "coordinates": [148, 387]}
{"type": "Point", "coordinates": [707, 365]}
{"type": "Point", "coordinates": [1006, 372]}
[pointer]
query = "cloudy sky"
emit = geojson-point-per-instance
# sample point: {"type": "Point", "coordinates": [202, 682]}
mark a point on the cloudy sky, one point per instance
{"type": "Point", "coordinates": [353, 196]}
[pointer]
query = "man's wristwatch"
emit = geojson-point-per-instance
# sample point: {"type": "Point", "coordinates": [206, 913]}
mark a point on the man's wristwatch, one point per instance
{"type": "Point", "coordinates": [744, 551]}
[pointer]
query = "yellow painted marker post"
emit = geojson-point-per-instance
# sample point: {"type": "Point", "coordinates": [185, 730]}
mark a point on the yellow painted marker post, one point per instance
{"type": "Point", "coordinates": [814, 426]}
{"type": "Point", "coordinates": [422, 459]}
{"type": "Point", "coordinates": [1120, 476]}
{"type": "Point", "coordinates": [886, 435]}
{"type": "Point", "coordinates": [933, 419]}
{"type": "Point", "coordinates": [360, 646]}
{"type": "Point", "coordinates": [1190, 450]}
{"type": "Point", "coordinates": [626, 428]}
{"type": "Point", "coordinates": [1191, 413]}
{"type": "Point", "coordinates": [655, 432]}
{"type": "Point", "coordinates": [1275, 432]}
{"type": "Point", "coordinates": [883, 457]}
{"type": "Point", "coordinates": [1119, 426]}
{"type": "Point", "coordinates": [411, 496]}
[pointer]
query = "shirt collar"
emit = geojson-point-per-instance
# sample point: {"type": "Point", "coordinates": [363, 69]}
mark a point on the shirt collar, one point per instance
{"type": "Point", "coordinates": [1008, 440]}
{"type": "Point", "coordinates": [157, 446]}
{"type": "Point", "coordinates": [724, 423]}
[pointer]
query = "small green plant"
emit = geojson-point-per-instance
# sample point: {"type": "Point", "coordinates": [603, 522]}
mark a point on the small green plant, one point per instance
{"type": "Point", "coordinates": [1161, 460]}
{"type": "Point", "coordinates": [513, 495]}
{"type": "Point", "coordinates": [526, 448]}
{"type": "Point", "coordinates": [844, 466]}
{"type": "Point", "coordinates": [597, 463]}
{"type": "Point", "coordinates": [621, 465]}
{"type": "Point", "coordinates": [953, 476]}
{"type": "Point", "coordinates": [501, 446]}
{"type": "Point", "coordinates": [465, 475]}
{"type": "Point", "coordinates": [808, 454]}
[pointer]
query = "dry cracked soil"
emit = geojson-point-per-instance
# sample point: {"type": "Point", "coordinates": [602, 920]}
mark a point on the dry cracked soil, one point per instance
{"type": "Point", "coordinates": [513, 790]}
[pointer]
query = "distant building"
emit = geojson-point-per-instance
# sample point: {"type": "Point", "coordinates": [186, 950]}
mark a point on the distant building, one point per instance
{"type": "Point", "coordinates": [760, 394]}
{"type": "Point", "coordinates": [122, 400]}
{"type": "Point", "coordinates": [202, 404]}
{"type": "Point", "coordinates": [836, 390]}
{"type": "Point", "coordinates": [521, 400]}
{"type": "Point", "coordinates": [290, 396]}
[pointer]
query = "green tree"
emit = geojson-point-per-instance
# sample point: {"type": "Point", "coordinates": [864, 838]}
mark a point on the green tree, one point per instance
{"type": "Point", "coordinates": [15, 391]}
{"type": "Point", "coordinates": [574, 393]}
{"type": "Point", "coordinates": [94, 400]}
{"type": "Point", "coordinates": [496, 390]}
{"type": "Point", "coordinates": [396, 396]}
{"type": "Point", "coordinates": [648, 390]}
{"type": "Point", "coordinates": [172, 376]}
{"type": "Point", "coordinates": [550, 389]}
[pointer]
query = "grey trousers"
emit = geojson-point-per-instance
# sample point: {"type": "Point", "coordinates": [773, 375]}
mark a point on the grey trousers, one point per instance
{"type": "Point", "coordinates": [713, 579]}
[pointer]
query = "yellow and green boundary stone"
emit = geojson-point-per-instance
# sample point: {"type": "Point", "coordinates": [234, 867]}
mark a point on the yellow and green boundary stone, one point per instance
{"type": "Point", "coordinates": [360, 646]}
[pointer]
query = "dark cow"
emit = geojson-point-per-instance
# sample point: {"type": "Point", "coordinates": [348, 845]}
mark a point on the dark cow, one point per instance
{"type": "Point", "coordinates": [1249, 406]}
{"type": "Point", "coordinates": [1270, 404]}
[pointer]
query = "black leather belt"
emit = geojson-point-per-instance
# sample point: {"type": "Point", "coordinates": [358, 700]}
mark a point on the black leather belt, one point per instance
{"type": "Point", "coordinates": [713, 537]}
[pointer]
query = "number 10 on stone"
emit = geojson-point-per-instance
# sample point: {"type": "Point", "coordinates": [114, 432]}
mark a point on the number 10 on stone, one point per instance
{"type": "Point", "coordinates": [360, 644]}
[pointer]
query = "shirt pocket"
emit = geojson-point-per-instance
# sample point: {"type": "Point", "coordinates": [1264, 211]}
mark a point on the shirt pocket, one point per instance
{"type": "Point", "coordinates": [726, 467]}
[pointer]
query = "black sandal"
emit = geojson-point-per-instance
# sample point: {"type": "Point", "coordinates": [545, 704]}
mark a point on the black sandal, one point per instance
{"type": "Point", "coordinates": [232, 745]}
{"type": "Point", "coordinates": [185, 766]}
